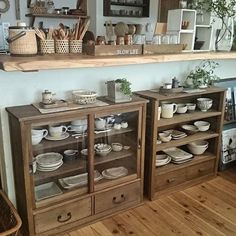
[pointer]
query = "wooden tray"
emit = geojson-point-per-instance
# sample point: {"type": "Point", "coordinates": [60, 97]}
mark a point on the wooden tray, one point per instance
{"type": "Point", "coordinates": [162, 48]}
{"type": "Point", "coordinates": [55, 104]}
{"type": "Point", "coordinates": [112, 50]}
{"type": "Point", "coordinates": [171, 91]}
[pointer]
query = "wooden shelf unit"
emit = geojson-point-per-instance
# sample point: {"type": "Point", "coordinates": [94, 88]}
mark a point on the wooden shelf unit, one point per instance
{"type": "Point", "coordinates": [142, 8]}
{"type": "Point", "coordinates": [172, 177]}
{"type": "Point", "coordinates": [49, 62]}
{"type": "Point", "coordinates": [84, 204]}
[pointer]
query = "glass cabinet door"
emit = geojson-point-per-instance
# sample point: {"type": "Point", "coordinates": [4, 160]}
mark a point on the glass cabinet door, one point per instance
{"type": "Point", "coordinates": [58, 164]}
{"type": "Point", "coordinates": [116, 152]}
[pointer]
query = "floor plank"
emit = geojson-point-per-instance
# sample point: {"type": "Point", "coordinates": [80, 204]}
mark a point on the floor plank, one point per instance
{"type": "Point", "coordinates": [207, 209]}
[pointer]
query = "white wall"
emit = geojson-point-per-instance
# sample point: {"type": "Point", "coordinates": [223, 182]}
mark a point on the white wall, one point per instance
{"type": "Point", "coordinates": [17, 88]}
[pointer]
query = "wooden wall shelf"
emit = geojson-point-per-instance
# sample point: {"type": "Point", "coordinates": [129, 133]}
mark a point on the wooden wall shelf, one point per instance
{"type": "Point", "coordinates": [46, 62]}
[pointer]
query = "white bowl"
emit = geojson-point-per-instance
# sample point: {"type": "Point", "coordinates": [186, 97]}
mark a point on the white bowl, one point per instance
{"type": "Point", "coordinates": [198, 147]}
{"type": "Point", "coordinates": [204, 104]}
{"type": "Point", "coordinates": [196, 150]}
{"type": "Point", "coordinates": [189, 129]}
{"type": "Point", "coordinates": [117, 147]}
{"type": "Point", "coordinates": [165, 137]}
{"type": "Point", "coordinates": [202, 125]}
{"type": "Point", "coordinates": [191, 107]}
{"type": "Point", "coordinates": [181, 108]}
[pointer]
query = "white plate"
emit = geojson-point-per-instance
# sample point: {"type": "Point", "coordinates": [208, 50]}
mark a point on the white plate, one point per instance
{"type": "Point", "coordinates": [177, 153]}
{"type": "Point", "coordinates": [63, 136]}
{"type": "Point", "coordinates": [47, 169]}
{"type": "Point", "coordinates": [180, 162]}
{"type": "Point", "coordinates": [49, 159]}
{"type": "Point", "coordinates": [47, 190]}
{"type": "Point", "coordinates": [164, 163]}
{"type": "Point", "coordinates": [114, 173]}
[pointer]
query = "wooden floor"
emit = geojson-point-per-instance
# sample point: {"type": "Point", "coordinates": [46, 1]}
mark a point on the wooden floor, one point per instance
{"type": "Point", "coordinates": [205, 209]}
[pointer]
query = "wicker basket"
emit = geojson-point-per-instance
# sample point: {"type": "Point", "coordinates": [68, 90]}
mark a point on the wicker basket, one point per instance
{"type": "Point", "coordinates": [47, 46]}
{"type": "Point", "coordinates": [10, 221]}
{"type": "Point", "coordinates": [75, 46]}
{"type": "Point", "coordinates": [84, 96]}
{"type": "Point", "coordinates": [62, 46]}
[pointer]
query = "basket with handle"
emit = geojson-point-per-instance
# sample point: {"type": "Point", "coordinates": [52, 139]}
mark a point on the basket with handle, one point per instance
{"type": "Point", "coordinates": [10, 221]}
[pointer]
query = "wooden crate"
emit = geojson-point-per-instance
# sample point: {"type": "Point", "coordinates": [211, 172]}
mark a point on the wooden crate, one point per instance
{"type": "Point", "coordinates": [112, 50]}
{"type": "Point", "coordinates": [162, 48]}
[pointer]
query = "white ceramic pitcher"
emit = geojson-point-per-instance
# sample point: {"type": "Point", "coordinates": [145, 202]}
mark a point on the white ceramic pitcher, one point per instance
{"type": "Point", "coordinates": [168, 110]}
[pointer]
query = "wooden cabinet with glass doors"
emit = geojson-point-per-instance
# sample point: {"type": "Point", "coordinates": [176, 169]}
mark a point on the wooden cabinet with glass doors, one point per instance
{"type": "Point", "coordinates": [86, 164]}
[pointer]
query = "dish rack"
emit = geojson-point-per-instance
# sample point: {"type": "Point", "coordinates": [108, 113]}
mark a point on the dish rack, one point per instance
{"type": "Point", "coordinates": [84, 96]}
{"type": "Point", "coordinates": [10, 221]}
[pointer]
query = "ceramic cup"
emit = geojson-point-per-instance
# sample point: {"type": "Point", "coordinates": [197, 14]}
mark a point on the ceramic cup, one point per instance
{"type": "Point", "coordinates": [70, 154]}
{"type": "Point", "coordinates": [181, 108]}
{"type": "Point", "coordinates": [37, 135]}
{"type": "Point", "coordinates": [57, 131]}
{"type": "Point", "coordinates": [168, 110]}
{"type": "Point", "coordinates": [100, 124]}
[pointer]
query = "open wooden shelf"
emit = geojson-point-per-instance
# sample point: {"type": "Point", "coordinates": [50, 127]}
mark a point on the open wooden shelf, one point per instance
{"type": "Point", "coordinates": [186, 140]}
{"type": "Point", "coordinates": [195, 160]}
{"type": "Point", "coordinates": [46, 62]}
{"type": "Point", "coordinates": [74, 16]}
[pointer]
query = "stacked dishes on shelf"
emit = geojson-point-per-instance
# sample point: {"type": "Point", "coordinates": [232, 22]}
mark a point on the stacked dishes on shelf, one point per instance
{"type": "Point", "coordinates": [78, 180]}
{"type": "Point", "coordinates": [49, 161]}
{"type": "Point", "coordinates": [178, 156]}
{"type": "Point", "coordinates": [115, 172]}
{"type": "Point", "coordinates": [162, 160]}
{"type": "Point", "coordinates": [176, 134]}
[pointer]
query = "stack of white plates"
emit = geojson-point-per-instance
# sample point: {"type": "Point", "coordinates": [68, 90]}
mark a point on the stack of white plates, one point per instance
{"type": "Point", "coordinates": [49, 161]}
{"type": "Point", "coordinates": [162, 159]}
{"type": "Point", "coordinates": [176, 134]}
{"type": "Point", "coordinates": [78, 180]}
{"type": "Point", "coordinates": [178, 156]}
{"type": "Point", "coordinates": [114, 173]}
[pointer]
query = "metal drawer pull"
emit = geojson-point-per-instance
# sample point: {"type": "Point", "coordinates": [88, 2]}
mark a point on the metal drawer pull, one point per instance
{"type": "Point", "coordinates": [201, 169]}
{"type": "Point", "coordinates": [59, 218]}
{"type": "Point", "coordinates": [117, 201]}
{"type": "Point", "coordinates": [171, 180]}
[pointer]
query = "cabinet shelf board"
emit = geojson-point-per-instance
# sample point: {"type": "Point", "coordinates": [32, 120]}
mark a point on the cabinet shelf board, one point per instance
{"type": "Point", "coordinates": [188, 139]}
{"type": "Point", "coordinates": [75, 16]}
{"type": "Point", "coordinates": [128, 4]}
{"type": "Point", "coordinates": [196, 160]}
{"type": "Point", "coordinates": [187, 117]}
{"type": "Point", "coordinates": [68, 168]}
{"type": "Point", "coordinates": [113, 156]}
{"type": "Point", "coordinates": [105, 183]}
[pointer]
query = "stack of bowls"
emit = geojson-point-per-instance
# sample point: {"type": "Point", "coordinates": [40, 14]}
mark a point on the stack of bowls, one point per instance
{"type": "Point", "coordinates": [102, 149]}
{"type": "Point", "coordinates": [198, 147]}
{"type": "Point", "coordinates": [204, 104]}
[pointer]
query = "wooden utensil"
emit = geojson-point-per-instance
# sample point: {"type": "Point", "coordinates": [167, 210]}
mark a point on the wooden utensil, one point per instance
{"type": "Point", "coordinates": [84, 29]}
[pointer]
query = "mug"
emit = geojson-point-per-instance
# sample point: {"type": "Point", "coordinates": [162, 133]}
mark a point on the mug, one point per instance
{"type": "Point", "coordinates": [57, 131]}
{"type": "Point", "coordinates": [38, 135]}
{"type": "Point", "coordinates": [100, 124]}
{"type": "Point", "coordinates": [168, 110]}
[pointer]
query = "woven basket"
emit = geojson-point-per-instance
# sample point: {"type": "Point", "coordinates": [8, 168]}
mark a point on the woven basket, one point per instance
{"type": "Point", "coordinates": [38, 10]}
{"type": "Point", "coordinates": [62, 46]}
{"type": "Point", "coordinates": [84, 96]}
{"type": "Point", "coordinates": [75, 46]}
{"type": "Point", "coordinates": [47, 46]}
{"type": "Point", "coordinates": [10, 221]}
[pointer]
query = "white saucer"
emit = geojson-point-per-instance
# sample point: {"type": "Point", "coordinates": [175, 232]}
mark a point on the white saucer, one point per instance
{"type": "Point", "coordinates": [63, 136]}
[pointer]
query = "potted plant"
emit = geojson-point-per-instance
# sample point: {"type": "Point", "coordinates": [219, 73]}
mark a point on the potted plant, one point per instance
{"type": "Point", "coordinates": [119, 90]}
{"type": "Point", "coordinates": [202, 75]}
{"type": "Point", "coordinates": [225, 11]}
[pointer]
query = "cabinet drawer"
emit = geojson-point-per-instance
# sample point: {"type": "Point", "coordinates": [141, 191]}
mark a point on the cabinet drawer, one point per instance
{"type": "Point", "coordinates": [200, 169]}
{"type": "Point", "coordinates": [62, 215]}
{"type": "Point", "coordinates": [118, 197]}
{"type": "Point", "coordinates": [170, 179]}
